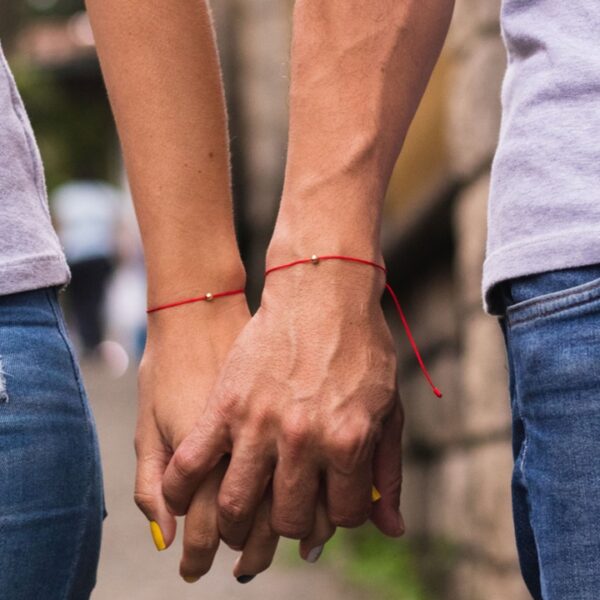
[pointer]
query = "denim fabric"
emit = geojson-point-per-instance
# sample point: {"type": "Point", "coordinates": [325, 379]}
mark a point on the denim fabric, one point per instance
{"type": "Point", "coordinates": [51, 500]}
{"type": "Point", "coordinates": [552, 332]}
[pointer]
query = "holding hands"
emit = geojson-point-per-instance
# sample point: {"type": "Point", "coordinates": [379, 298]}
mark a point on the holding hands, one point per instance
{"type": "Point", "coordinates": [184, 354]}
{"type": "Point", "coordinates": [304, 396]}
{"type": "Point", "coordinates": [279, 424]}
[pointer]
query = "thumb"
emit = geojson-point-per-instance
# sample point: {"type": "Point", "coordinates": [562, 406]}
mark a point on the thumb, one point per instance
{"type": "Point", "coordinates": [152, 460]}
{"type": "Point", "coordinates": [387, 475]}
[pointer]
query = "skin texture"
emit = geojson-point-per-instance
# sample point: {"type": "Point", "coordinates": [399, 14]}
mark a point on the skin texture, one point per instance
{"type": "Point", "coordinates": [307, 397]}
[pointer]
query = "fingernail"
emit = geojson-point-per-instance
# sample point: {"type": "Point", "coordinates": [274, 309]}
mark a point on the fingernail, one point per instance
{"type": "Point", "coordinates": [157, 536]}
{"type": "Point", "coordinates": [190, 578]}
{"type": "Point", "coordinates": [245, 578]}
{"type": "Point", "coordinates": [314, 554]}
{"type": "Point", "coordinates": [375, 495]}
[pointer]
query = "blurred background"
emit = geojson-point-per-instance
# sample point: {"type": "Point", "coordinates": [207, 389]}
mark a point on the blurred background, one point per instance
{"type": "Point", "coordinates": [456, 497]}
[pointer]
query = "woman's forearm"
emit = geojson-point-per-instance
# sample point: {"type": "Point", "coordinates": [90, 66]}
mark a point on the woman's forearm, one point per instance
{"type": "Point", "coordinates": [163, 77]}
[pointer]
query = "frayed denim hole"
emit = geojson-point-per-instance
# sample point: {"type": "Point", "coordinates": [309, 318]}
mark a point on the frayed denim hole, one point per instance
{"type": "Point", "coordinates": [3, 392]}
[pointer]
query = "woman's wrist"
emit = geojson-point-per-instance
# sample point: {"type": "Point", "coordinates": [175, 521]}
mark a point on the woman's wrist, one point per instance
{"type": "Point", "coordinates": [193, 278]}
{"type": "Point", "coordinates": [213, 323]}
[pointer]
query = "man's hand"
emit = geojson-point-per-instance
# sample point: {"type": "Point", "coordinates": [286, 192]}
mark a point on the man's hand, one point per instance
{"type": "Point", "coordinates": [304, 397]}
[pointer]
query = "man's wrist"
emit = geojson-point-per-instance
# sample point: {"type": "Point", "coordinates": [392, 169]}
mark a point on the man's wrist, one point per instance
{"type": "Point", "coordinates": [339, 216]}
{"type": "Point", "coordinates": [317, 284]}
{"type": "Point", "coordinates": [297, 238]}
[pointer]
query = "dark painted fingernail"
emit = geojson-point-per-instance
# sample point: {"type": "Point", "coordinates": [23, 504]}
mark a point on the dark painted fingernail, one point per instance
{"type": "Point", "coordinates": [245, 578]}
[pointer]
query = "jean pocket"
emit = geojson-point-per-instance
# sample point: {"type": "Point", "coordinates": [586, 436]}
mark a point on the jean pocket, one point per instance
{"type": "Point", "coordinates": [552, 293]}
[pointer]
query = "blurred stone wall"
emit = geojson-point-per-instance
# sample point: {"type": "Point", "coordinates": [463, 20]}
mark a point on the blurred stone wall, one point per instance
{"type": "Point", "coordinates": [254, 40]}
{"type": "Point", "coordinates": [456, 494]}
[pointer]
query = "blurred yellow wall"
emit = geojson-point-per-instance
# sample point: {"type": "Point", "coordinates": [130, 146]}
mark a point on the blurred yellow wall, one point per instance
{"type": "Point", "coordinates": [423, 160]}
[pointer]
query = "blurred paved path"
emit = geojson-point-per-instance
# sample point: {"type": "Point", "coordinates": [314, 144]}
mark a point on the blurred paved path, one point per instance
{"type": "Point", "coordinates": [130, 568]}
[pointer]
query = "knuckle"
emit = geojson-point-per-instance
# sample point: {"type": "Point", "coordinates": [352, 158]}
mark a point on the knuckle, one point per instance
{"type": "Point", "coordinates": [350, 446]}
{"type": "Point", "coordinates": [227, 399]}
{"type": "Point", "coordinates": [225, 405]}
{"type": "Point", "coordinates": [351, 519]}
{"type": "Point", "coordinates": [200, 542]}
{"type": "Point", "coordinates": [384, 400]}
{"type": "Point", "coordinates": [233, 511]}
{"type": "Point", "coordinates": [295, 433]}
{"type": "Point", "coordinates": [184, 462]}
{"type": "Point", "coordinates": [263, 530]}
{"type": "Point", "coordinates": [144, 501]}
{"type": "Point", "coordinates": [289, 528]}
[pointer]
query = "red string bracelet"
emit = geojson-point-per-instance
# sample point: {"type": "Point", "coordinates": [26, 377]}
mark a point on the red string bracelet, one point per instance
{"type": "Point", "coordinates": [314, 259]}
{"type": "Point", "coordinates": [208, 297]}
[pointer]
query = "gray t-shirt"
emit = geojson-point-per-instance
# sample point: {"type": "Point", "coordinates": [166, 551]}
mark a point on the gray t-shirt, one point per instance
{"type": "Point", "coordinates": [544, 211]}
{"type": "Point", "coordinates": [30, 253]}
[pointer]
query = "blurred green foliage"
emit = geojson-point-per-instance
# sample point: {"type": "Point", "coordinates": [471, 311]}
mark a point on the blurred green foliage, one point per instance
{"type": "Point", "coordinates": [54, 7]}
{"type": "Point", "coordinates": [14, 14]}
{"type": "Point", "coordinates": [71, 118]}
{"type": "Point", "coordinates": [59, 8]}
{"type": "Point", "coordinates": [384, 567]}
{"type": "Point", "coordinates": [387, 569]}
{"type": "Point", "coordinates": [66, 103]}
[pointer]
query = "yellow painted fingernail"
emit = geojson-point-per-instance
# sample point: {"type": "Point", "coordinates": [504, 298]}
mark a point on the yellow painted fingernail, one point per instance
{"type": "Point", "coordinates": [190, 578]}
{"type": "Point", "coordinates": [375, 495]}
{"type": "Point", "coordinates": [157, 536]}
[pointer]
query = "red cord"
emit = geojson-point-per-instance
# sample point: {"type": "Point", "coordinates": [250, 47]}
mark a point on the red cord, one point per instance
{"type": "Point", "coordinates": [316, 259]}
{"type": "Point", "coordinates": [205, 298]}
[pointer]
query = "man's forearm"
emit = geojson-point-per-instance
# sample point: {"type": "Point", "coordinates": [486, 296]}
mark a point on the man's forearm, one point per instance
{"type": "Point", "coordinates": [358, 71]}
{"type": "Point", "coordinates": [162, 73]}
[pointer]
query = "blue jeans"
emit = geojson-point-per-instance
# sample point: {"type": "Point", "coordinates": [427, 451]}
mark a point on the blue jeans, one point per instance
{"type": "Point", "coordinates": [51, 500]}
{"type": "Point", "coordinates": [552, 332]}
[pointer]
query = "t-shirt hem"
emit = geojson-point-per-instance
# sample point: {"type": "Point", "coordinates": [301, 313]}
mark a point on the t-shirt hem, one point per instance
{"type": "Point", "coordinates": [33, 273]}
{"type": "Point", "coordinates": [531, 258]}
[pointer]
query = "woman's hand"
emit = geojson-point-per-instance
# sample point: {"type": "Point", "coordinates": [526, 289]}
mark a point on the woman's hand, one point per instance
{"type": "Point", "coordinates": [184, 352]}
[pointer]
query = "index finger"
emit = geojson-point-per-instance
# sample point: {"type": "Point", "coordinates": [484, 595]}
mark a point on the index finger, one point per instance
{"type": "Point", "coordinates": [195, 457]}
{"type": "Point", "coordinates": [201, 534]}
